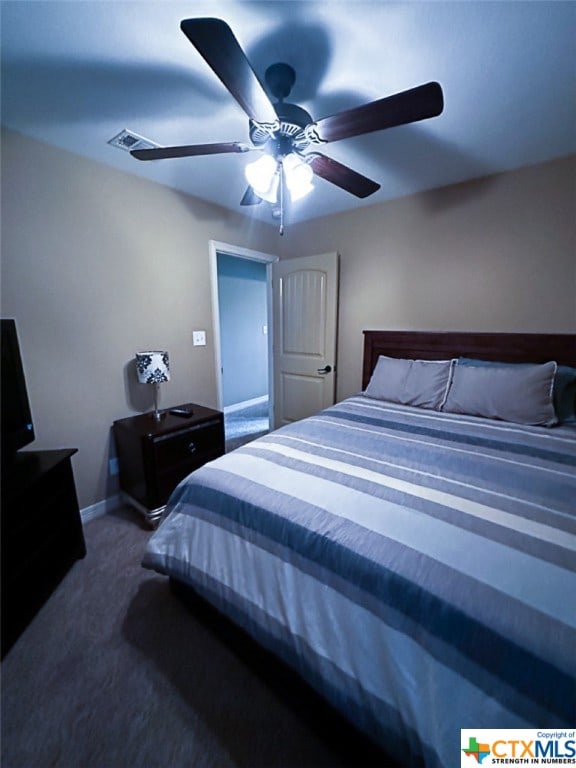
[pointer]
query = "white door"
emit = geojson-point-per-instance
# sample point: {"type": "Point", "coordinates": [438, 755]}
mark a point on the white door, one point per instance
{"type": "Point", "coordinates": [305, 301]}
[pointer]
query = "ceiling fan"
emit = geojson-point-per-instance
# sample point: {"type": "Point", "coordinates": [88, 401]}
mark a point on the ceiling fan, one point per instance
{"type": "Point", "coordinates": [284, 134]}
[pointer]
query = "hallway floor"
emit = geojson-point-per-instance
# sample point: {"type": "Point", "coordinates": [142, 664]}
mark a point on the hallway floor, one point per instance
{"type": "Point", "coordinates": [245, 424]}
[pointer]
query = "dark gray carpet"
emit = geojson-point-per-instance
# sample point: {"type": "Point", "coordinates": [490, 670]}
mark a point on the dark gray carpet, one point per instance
{"type": "Point", "coordinates": [245, 424]}
{"type": "Point", "coordinates": [115, 672]}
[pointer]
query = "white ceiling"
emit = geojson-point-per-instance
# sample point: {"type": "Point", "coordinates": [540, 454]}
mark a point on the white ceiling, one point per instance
{"type": "Point", "coordinates": [75, 73]}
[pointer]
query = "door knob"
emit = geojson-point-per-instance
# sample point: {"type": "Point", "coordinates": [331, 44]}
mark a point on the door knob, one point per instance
{"type": "Point", "coordinates": [326, 369]}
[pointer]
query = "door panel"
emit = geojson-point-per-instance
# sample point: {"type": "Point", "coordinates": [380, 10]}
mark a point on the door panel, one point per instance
{"type": "Point", "coordinates": [301, 396]}
{"type": "Point", "coordinates": [305, 313]}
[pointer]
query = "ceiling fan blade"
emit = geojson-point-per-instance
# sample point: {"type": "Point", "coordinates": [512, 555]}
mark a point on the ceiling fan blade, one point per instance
{"type": "Point", "coordinates": [250, 198]}
{"type": "Point", "coordinates": [342, 176]}
{"type": "Point", "coordinates": [163, 153]}
{"type": "Point", "coordinates": [418, 103]}
{"type": "Point", "coordinates": [215, 41]}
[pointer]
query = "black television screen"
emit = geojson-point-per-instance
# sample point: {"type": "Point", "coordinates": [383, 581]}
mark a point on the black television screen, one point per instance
{"type": "Point", "coordinates": [17, 427]}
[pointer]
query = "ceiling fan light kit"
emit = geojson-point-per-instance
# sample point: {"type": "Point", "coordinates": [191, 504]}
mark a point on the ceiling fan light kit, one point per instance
{"type": "Point", "coordinates": [299, 176]}
{"type": "Point", "coordinates": [263, 176]}
{"type": "Point", "coordinates": [284, 133]}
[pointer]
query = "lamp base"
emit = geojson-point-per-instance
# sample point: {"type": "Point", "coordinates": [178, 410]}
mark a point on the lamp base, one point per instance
{"type": "Point", "coordinates": [156, 414]}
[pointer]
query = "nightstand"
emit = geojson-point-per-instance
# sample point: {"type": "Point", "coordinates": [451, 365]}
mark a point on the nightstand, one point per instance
{"type": "Point", "coordinates": [154, 456]}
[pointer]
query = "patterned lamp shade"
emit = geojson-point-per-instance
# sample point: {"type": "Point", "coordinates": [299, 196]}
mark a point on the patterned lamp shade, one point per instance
{"type": "Point", "coordinates": [152, 367]}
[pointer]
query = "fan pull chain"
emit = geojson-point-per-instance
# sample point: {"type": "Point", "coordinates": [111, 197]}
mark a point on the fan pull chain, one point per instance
{"type": "Point", "coordinates": [281, 231]}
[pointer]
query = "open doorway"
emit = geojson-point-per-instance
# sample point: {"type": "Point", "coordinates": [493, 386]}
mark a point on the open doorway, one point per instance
{"type": "Point", "coordinates": [241, 294]}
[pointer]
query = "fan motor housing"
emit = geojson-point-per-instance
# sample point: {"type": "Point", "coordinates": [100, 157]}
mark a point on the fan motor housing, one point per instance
{"type": "Point", "coordinates": [293, 119]}
{"type": "Point", "coordinates": [292, 114]}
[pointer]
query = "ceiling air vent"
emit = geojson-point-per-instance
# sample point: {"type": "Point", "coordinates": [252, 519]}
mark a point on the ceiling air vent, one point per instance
{"type": "Point", "coordinates": [128, 140]}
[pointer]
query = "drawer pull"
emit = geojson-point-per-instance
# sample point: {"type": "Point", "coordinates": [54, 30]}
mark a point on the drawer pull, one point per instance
{"type": "Point", "coordinates": [192, 447]}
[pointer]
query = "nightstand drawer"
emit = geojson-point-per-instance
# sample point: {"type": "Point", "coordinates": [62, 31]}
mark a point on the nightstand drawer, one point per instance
{"type": "Point", "coordinates": [189, 446]}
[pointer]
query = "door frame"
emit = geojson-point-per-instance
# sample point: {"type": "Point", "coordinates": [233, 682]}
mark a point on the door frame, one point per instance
{"type": "Point", "coordinates": [216, 247]}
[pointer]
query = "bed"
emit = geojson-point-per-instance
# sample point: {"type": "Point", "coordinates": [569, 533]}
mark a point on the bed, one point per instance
{"type": "Point", "coordinates": [415, 565]}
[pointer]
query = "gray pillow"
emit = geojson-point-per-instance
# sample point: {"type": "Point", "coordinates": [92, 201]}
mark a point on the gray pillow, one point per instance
{"type": "Point", "coordinates": [422, 383]}
{"type": "Point", "coordinates": [565, 394]}
{"type": "Point", "coordinates": [521, 394]}
{"type": "Point", "coordinates": [564, 397]}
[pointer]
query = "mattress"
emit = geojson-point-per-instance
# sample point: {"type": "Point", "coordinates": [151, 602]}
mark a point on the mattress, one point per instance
{"type": "Point", "coordinates": [417, 568]}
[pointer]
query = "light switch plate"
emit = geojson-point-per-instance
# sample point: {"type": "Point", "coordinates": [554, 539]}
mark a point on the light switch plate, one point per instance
{"type": "Point", "coordinates": [199, 338]}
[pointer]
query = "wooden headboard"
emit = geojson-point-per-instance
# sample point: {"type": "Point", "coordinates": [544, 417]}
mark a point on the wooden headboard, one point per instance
{"type": "Point", "coordinates": [444, 345]}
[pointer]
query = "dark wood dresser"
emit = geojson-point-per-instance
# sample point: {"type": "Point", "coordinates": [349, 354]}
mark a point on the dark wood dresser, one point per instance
{"type": "Point", "coordinates": [154, 456]}
{"type": "Point", "coordinates": [42, 534]}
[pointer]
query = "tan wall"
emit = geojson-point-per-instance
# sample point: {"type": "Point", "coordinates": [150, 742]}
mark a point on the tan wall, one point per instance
{"type": "Point", "coordinates": [97, 264]}
{"type": "Point", "coordinates": [498, 254]}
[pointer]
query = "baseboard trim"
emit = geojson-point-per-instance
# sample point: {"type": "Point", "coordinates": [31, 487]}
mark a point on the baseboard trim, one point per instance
{"type": "Point", "coordinates": [245, 404]}
{"type": "Point", "coordinates": [100, 509]}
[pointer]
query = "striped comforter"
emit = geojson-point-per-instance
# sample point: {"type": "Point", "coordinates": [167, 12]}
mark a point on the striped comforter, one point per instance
{"type": "Point", "coordinates": [417, 568]}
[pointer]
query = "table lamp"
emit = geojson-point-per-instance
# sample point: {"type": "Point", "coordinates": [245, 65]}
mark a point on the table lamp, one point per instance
{"type": "Point", "coordinates": [153, 368]}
